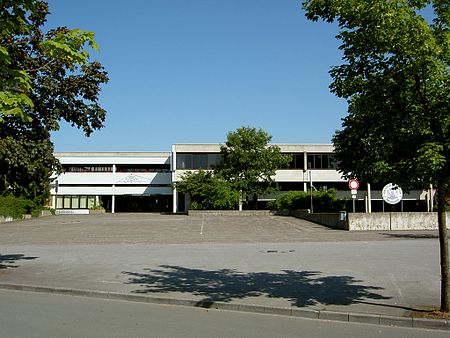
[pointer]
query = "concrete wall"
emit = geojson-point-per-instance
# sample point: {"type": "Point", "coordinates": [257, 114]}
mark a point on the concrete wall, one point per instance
{"type": "Point", "coordinates": [395, 221]}
{"type": "Point", "coordinates": [331, 220]}
{"type": "Point", "coordinates": [373, 221]}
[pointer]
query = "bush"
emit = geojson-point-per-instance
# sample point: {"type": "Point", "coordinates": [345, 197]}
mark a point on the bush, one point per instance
{"type": "Point", "coordinates": [323, 201]}
{"type": "Point", "coordinates": [16, 207]}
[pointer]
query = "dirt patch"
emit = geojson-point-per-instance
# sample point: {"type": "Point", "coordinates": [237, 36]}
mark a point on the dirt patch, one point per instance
{"type": "Point", "coordinates": [430, 314]}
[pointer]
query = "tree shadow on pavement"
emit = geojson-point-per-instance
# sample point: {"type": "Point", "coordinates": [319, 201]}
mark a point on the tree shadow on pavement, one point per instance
{"type": "Point", "coordinates": [9, 261]}
{"type": "Point", "coordinates": [301, 288]}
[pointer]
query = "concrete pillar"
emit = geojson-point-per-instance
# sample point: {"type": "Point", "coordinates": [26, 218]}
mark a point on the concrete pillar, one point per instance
{"type": "Point", "coordinates": [175, 201]}
{"type": "Point", "coordinates": [113, 199]}
{"type": "Point", "coordinates": [53, 202]}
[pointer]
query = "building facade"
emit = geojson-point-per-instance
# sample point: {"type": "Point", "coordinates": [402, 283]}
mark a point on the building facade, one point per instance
{"type": "Point", "coordinates": [146, 181]}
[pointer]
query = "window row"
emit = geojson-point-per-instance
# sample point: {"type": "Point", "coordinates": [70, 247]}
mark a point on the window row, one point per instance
{"type": "Point", "coordinates": [142, 168]}
{"type": "Point", "coordinates": [87, 168]}
{"type": "Point", "coordinates": [119, 168]}
{"type": "Point", "coordinates": [321, 161]}
{"type": "Point", "coordinates": [198, 160]}
{"type": "Point", "coordinates": [76, 202]}
{"type": "Point", "coordinates": [193, 161]}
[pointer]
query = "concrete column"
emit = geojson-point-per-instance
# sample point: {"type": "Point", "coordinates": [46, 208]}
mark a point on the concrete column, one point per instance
{"type": "Point", "coordinates": [113, 199]}
{"type": "Point", "coordinates": [53, 202]}
{"type": "Point", "coordinates": [305, 179]}
{"type": "Point", "coordinates": [175, 201]}
{"type": "Point", "coordinates": [114, 168]}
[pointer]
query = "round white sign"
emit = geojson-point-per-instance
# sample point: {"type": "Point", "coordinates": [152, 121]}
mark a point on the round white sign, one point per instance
{"type": "Point", "coordinates": [392, 193]}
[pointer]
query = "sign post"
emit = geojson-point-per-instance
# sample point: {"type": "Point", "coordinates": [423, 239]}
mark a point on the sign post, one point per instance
{"type": "Point", "coordinates": [353, 185]}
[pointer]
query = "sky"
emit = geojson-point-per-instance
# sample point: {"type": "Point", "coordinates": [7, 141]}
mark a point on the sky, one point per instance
{"type": "Point", "coordinates": [191, 71]}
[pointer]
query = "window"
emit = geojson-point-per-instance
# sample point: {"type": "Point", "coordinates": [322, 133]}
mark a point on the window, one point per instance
{"type": "Point", "coordinates": [297, 161]}
{"type": "Point", "coordinates": [321, 161]}
{"type": "Point", "coordinates": [83, 202]}
{"type": "Point", "coordinates": [198, 160]}
{"type": "Point", "coordinates": [75, 202]}
{"type": "Point", "coordinates": [69, 168]}
{"type": "Point", "coordinates": [143, 168]}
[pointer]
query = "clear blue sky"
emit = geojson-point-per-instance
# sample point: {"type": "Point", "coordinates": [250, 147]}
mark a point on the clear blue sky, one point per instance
{"type": "Point", "coordinates": [190, 71]}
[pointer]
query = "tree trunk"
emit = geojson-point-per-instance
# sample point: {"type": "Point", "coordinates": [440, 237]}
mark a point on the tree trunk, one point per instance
{"type": "Point", "coordinates": [443, 243]}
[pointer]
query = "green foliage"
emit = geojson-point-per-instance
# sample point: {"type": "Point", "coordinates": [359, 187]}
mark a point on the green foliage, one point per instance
{"type": "Point", "coordinates": [208, 191]}
{"type": "Point", "coordinates": [246, 172]}
{"type": "Point", "coordinates": [324, 201]}
{"type": "Point", "coordinates": [44, 78]}
{"type": "Point", "coordinates": [17, 207]}
{"type": "Point", "coordinates": [396, 79]}
{"type": "Point", "coordinates": [250, 163]}
{"type": "Point", "coordinates": [21, 19]}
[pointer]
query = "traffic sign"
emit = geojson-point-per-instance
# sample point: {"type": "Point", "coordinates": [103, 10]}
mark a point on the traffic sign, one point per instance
{"type": "Point", "coordinates": [392, 193]}
{"type": "Point", "coordinates": [353, 184]}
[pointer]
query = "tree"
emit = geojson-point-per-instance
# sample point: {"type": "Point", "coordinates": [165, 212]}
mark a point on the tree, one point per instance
{"type": "Point", "coordinates": [249, 162]}
{"type": "Point", "coordinates": [44, 78]}
{"type": "Point", "coordinates": [19, 19]}
{"type": "Point", "coordinates": [395, 78]}
{"type": "Point", "coordinates": [208, 191]}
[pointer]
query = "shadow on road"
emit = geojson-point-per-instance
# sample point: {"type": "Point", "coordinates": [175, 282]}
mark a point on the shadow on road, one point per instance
{"type": "Point", "coordinates": [9, 261]}
{"type": "Point", "coordinates": [301, 288]}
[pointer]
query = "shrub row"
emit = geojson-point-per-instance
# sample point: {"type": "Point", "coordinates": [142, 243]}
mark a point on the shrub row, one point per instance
{"type": "Point", "coordinates": [16, 207]}
{"type": "Point", "coordinates": [323, 201]}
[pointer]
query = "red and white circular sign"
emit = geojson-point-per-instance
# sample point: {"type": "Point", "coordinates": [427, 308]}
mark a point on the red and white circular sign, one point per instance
{"type": "Point", "coordinates": [353, 184]}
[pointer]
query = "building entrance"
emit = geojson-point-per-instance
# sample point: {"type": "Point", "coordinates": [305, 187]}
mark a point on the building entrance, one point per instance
{"type": "Point", "coordinates": [130, 203]}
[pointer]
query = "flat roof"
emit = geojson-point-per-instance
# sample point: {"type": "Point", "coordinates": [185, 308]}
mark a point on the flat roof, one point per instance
{"type": "Point", "coordinates": [111, 154]}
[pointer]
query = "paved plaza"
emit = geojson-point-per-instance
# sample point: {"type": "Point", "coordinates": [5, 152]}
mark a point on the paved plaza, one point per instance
{"type": "Point", "coordinates": [156, 228]}
{"type": "Point", "coordinates": [266, 262]}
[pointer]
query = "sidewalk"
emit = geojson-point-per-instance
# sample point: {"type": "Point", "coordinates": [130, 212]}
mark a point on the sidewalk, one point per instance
{"type": "Point", "coordinates": [378, 281]}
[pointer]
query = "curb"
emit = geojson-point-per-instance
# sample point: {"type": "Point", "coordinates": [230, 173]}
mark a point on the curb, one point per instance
{"type": "Point", "coordinates": [377, 319]}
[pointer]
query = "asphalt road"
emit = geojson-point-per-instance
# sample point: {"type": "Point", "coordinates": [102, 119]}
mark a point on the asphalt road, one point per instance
{"type": "Point", "coordinates": [270, 262]}
{"type": "Point", "coordinates": [27, 314]}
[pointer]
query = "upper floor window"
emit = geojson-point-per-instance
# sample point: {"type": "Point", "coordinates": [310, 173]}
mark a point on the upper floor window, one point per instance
{"type": "Point", "coordinates": [142, 168]}
{"type": "Point", "coordinates": [198, 160]}
{"type": "Point", "coordinates": [321, 161]}
{"type": "Point", "coordinates": [81, 168]}
{"type": "Point", "coordinates": [297, 161]}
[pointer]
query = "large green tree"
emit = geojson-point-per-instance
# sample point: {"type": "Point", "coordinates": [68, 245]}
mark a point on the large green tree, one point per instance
{"type": "Point", "coordinates": [395, 78]}
{"type": "Point", "coordinates": [208, 191]}
{"type": "Point", "coordinates": [250, 163]}
{"type": "Point", "coordinates": [44, 78]}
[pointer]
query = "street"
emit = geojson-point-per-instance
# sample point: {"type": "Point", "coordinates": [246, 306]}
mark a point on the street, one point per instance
{"type": "Point", "coordinates": [28, 314]}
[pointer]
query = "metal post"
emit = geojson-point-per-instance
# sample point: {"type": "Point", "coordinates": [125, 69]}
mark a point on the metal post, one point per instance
{"type": "Point", "coordinates": [431, 198]}
{"type": "Point", "coordinates": [369, 199]}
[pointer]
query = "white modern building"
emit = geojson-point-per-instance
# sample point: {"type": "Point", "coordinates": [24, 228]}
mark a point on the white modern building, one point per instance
{"type": "Point", "coordinates": [145, 181]}
{"type": "Point", "coordinates": [117, 181]}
